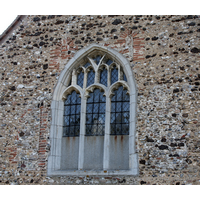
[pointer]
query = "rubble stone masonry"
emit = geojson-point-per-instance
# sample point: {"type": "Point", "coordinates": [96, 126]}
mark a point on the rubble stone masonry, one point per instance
{"type": "Point", "coordinates": [164, 52]}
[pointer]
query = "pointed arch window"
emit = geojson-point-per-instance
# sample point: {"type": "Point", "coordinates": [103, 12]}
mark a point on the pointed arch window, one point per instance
{"type": "Point", "coordinates": [93, 116]}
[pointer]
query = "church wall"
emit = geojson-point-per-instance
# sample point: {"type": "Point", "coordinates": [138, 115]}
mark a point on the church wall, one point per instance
{"type": "Point", "coordinates": [164, 55]}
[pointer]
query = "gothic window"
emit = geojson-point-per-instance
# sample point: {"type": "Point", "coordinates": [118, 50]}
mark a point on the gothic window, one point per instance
{"type": "Point", "coordinates": [93, 116]}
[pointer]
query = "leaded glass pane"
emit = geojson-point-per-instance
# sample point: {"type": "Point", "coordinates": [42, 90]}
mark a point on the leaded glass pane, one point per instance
{"type": "Point", "coordinates": [95, 113]}
{"type": "Point", "coordinates": [112, 129]}
{"type": "Point", "coordinates": [80, 78]}
{"type": "Point", "coordinates": [125, 129]}
{"type": "Point", "coordinates": [90, 77]}
{"type": "Point", "coordinates": [87, 64]}
{"type": "Point", "coordinates": [72, 106]}
{"type": "Point", "coordinates": [89, 108]}
{"type": "Point", "coordinates": [97, 59]}
{"type": "Point", "coordinates": [103, 77]}
{"type": "Point", "coordinates": [114, 75]}
{"type": "Point", "coordinates": [112, 107]}
{"type": "Point", "coordinates": [102, 108]}
{"type": "Point", "coordinates": [120, 107]}
{"type": "Point", "coordinates": [124, 77]}
{"type": "Point", "coordinates": [125, 106]}
{"type": "Point", "coordinates": [108, 62]}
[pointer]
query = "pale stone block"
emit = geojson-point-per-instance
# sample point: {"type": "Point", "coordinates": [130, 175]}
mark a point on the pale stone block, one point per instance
{"type": "Point", "coordinates": [60, 117]}
{"type": "Point", "coordinates": [54, 116]}
{"type": "Point", "coordinates": [59, 134]}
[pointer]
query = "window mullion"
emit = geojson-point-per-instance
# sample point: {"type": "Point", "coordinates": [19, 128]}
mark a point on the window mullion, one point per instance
{"type": "Point", "coordinates": [107, 135]}
{"type": "Point", "coordinates": [82, 133]}
{"type": "Point", "coordinates": [109, 78]}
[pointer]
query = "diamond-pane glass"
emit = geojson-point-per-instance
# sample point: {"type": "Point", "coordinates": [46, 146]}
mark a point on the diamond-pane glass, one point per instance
{"type": "Point", "coordinates": [108, 62]}
{"type": "Point", "coordinates": [103, 77]}
{"type": "Point", "coordinates": [72, 106]}
{"type": "Point", "coordinates": [80, 78]}
{"type": "Point", "coordinates": [90, 77]}
{"type": "Point", "coordinates": [120, 106]}
{"type": "Point", "coordinates": [114, 75]}
{"type": "Point", "coordinates": [124, 77]}
{"type": "Point", "coordinates": [97, 59]}
{"type": "Point", "coordinates": [87, 64]}
{"type": "Point", "coordinates": [95, 113]}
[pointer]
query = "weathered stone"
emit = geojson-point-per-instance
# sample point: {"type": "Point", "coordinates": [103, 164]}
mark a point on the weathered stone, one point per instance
{"type": "Point", "coordinates": [163, 147]}
{"type": "Point", "coordinates": [35, 19]}
{"type": "Point", "coordinates": [195, 50]}
{"type": "Point", "coordinates": [117, 21]}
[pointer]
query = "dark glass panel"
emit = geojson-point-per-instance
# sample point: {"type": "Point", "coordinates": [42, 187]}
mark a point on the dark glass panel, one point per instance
{"type": "Point", "coordinates": [97, 59]}
{"type": "Point", "coordinates": [77, 130]}
{"type": "Point", "coordinates": [112, 107]}
{"type": "Point", "coordinates": [96, 107]}
{"type": "Point", "coordinates": [70, 82]}
{"type": "Point", "coordinates": [65, 130]}
{"type": "Point", "coordinates": [114, 75]}
{"type": "Point", "coordinates": [102, 98]}
{"type": "Point", "coordinates": [102, 108]}
{"type": "Point", "coordinates": [108, 62]}
{"type": "Point", "coordinates": [78, 109]}
{"type": "Point", "coordinates": [88, 129]}
{"type": "Point", "coordinates": [66, 120]}
{"type": "Point", "coordinates": [87, 64]}
{"type": "Point", "coordinates": [67, 110]}
{"type": "Point", "coordinates": [89, 119]}
{"type": "Point", "coordinates": [118, 129]}
{"type": "Point", "coordinates": [103, 77]}
{"type": "Point", "coordinates": [112, 129]}
{"type": "Point", "coordinates": [125, 106]}
{"type": "Point", "coordinates": [125, 129]}
{"type": "Point", "coordinates": [95, 116]}
{"type": "Point", "coordinates": [77, 120]}
{"type": "Point", "coordinates": [89, 108]}
{"type": "Point", "coordinates": [125, 117]}
{"type": "Point", "coordinates": [90, 98]}
{"type": "Point", "coordinates": [72, 120]}
{"type": "Point", "coordinates": [80, 78]}
{"type": "Point", "coordinates": [120, 107]}
{"type": "Point", "coordinates": [68, 100]}
{"type": "Point", "coordinates": [72, 108]}
{"type": "Point", "coordinates": [118, 118]}
{"type": "Point", "coordinates": [124, 77]}
{"type": "Point", "coordinates": [113, 118]}
{"type": "Point", "coordinates": [90, 77]}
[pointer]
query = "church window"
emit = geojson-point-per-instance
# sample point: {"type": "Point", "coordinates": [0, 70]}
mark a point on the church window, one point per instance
{"type": "Point", "coordinates": [94, 116]}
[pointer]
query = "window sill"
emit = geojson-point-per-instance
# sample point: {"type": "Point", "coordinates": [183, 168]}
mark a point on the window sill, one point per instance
{"type": "Point", "coordinates": [92, 172]}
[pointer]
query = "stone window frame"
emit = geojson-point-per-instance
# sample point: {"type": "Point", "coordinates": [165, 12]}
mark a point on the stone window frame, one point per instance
{"type": "Point", "coordinates": [62, 89]}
